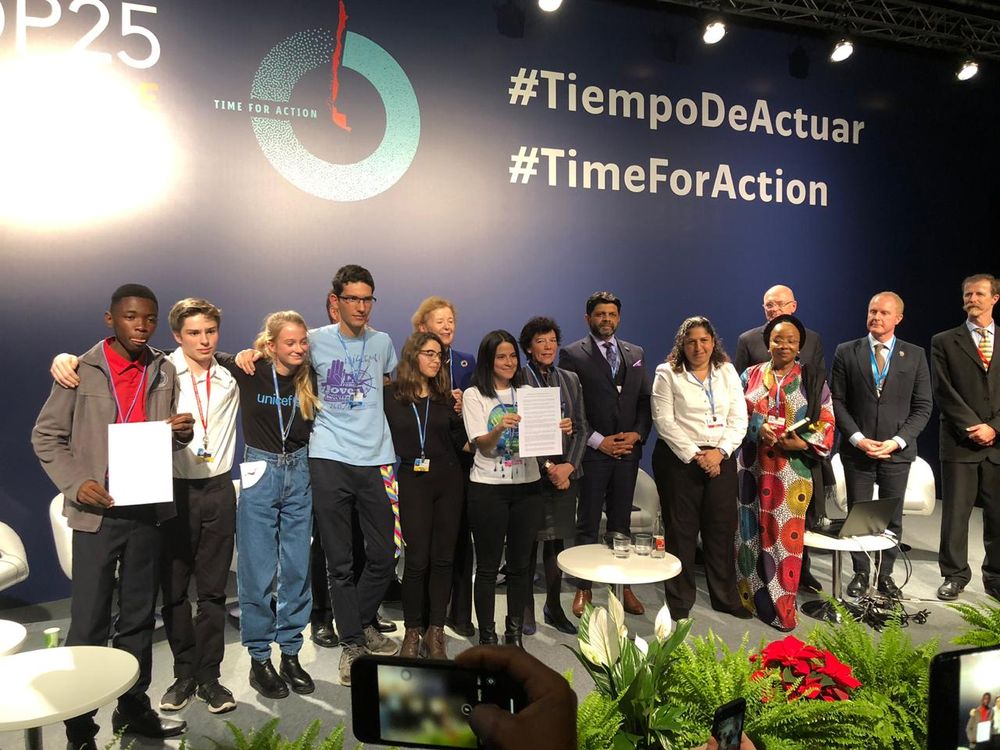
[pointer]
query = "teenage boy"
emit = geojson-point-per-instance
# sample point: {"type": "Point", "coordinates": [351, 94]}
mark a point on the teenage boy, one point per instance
{"type": "Point", "coordinates": [198, 541]}
{"type": "Point", "coordinates": [122, 379]}
{"type": "Point", "coordinates": [350, 458]}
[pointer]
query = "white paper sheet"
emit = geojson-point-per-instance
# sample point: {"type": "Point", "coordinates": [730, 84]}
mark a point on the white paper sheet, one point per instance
{"type": "Point", "coordinates": [538, 431]}
{"type": "Point", "coordinates": [140, 463]}
{"type": "Point", "coordinates": [983, 729]}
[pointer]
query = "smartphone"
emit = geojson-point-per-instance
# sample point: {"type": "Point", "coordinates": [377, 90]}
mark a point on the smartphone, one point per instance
{"type": "Point", "coordinates": [727, 728]}
{"type": "Point", "coordinates": [422, 702]}
{"type": "Point", "coordinates": [961, 682]}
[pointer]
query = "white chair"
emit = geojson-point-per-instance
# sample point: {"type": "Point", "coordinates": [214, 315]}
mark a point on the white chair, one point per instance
{"type": "Point", "coordinates": [921, 492]}
{"type": "Point", "coordinates": [13, 560]}
{"type": "Point", "coordinates": [646, 501]}
{"type": "Point", "coordinates": [62, 535]}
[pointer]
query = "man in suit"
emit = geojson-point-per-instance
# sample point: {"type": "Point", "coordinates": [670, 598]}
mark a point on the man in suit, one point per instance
{"type": "Point", "coordinates": [616, 389]}
{"type": "Point", "coordinates": [750, 347]}
{"type": "Point", "coordinates": [882, 401]}
{"type": "Point", "coordinates": [967, 388]}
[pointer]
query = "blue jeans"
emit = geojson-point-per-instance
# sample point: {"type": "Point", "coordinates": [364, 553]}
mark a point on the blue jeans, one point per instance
{"type": "Point", "coordinates": [273, 528]}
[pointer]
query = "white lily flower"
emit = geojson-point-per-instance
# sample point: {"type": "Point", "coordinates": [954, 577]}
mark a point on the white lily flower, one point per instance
{"type": "Point", "coordinates": [663, 624]}
{"type": "Point", "coordinates": [617, 613]}
{"type": "Point", "coordinates": [604, 638]}
{"type": "Point", "coordinates": [641, 644]}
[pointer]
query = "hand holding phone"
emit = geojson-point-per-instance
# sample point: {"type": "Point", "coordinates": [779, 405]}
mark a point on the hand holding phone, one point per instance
{"type": "Point", "coordinates": [549, 718]}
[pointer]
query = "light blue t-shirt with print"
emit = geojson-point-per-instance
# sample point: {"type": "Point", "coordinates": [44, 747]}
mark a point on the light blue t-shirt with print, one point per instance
{"type": "Point", "coordinates": [353, 433]}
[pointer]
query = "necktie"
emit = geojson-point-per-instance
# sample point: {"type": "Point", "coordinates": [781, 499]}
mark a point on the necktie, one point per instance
{"type": "Point", "coordinates": [879, 365]}
{"type": "Point", "coordinates": [985, 345]}
{"type": "Point", "coordinates": [612, 356]}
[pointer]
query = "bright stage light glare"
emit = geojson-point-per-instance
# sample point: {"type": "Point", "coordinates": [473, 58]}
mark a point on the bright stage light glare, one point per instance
{"type": "Point", "coordinates": [842, 50]}
{"type": "Point", "coordinates": [714, 31]}
{"type": "Point", "coordinates": [968, 70]}
{"type": "Point", "coordinates": [81, 145]}
{"type": "Point", "coordinates": [549, 5]}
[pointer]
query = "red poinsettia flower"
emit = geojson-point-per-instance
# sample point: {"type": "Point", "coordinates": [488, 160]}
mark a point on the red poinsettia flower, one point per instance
{"type": "Point", "coordinates": [840, 672]}
{"type": "Point", "coordinates": [806, 671]}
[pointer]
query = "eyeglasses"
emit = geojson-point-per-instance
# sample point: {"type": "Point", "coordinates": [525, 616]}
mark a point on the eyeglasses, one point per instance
{"type": "Point", "coordinates": [352, 300]}
{"type": "Point", "coordinates": [430, 353]}
{"type": "Point", "coordinates": [777, 305]}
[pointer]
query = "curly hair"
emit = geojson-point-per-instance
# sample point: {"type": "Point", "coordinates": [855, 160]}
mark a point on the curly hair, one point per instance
{"type": "Point", "coordinates": [677, 359]}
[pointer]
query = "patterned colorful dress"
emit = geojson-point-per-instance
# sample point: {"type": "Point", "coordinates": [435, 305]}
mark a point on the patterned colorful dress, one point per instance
{"type": "Point", "coordinates": [775, 490]}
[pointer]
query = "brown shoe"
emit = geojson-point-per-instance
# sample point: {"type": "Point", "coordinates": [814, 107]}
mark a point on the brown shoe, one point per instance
{"type": "Point", "coordinates": [432, 646]}
{"type": "Point", "coordinates": [411, 643]}
{"type": "Point", "coordinates": [631, 604]}
{"type": "Point", "coordinates": [582, 597]}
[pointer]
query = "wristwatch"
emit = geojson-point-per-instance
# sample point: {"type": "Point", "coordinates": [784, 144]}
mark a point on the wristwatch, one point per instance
{"type": "Point", "coordinates": [722, 451]}
{"type": "Point", "coordinates": [547, 465]}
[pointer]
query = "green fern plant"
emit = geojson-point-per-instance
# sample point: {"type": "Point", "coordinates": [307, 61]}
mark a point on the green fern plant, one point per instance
{"type": "Point", "coordinates": [598, 720]}
{"type": "Point", "coordinates": [268, 738]}
{"type": "Point", "coordinates": [983, 622]}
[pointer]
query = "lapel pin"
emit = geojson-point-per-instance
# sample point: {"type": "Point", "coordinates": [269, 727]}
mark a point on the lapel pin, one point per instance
{"type": "Point", "coordinates": [464, 363]}
{"type": "Point", "coordinates": [902, 354]}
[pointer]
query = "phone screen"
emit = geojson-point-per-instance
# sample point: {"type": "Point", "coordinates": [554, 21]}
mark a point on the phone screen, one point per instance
{"type": "Point", "coordinates": [429, 706]}
{"type": "Point", "coordinates": [978, 688]}
{"type": "Point", "coordinates": [728, 725]}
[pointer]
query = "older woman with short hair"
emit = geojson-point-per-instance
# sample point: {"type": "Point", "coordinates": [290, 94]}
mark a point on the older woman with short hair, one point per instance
{"type": "Point", "coordinates": [700, 415]}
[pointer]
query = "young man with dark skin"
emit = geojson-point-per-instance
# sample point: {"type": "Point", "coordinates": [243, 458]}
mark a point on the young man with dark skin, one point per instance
{"type": "Point", "coordinates": [122, 379]}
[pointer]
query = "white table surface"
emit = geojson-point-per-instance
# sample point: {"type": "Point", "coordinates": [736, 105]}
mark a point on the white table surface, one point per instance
{"type": "Point", "coordinates": [51, 684]}
{"type": "Point", "coordinates": [12, 635]}
{"type": "Point", "coordinates": [848, 544]}
{"type": "Point", "coordinates": [595, 562]}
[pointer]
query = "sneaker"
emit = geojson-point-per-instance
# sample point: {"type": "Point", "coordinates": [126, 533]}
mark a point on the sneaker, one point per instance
{"type": "Point", "coordinates": [376, 643]}
{"type": "Point", "coordinates": [348, 656]}
{"type": "Point", "coordinates": [179, 694]}
{"type": "Point", "coordinates": [219, 698]}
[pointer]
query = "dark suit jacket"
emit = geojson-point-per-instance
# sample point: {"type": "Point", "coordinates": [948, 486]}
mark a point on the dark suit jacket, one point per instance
{"type": "Point", "coordinates": [608, 411]}
{"type": "Point", "coordinates": [966, 393]}
{"type": "Point", "coordinates": [903, 409]}
{"type": "Point", "coordinates": [750, 350]}
{"type": "Point", "coordinates": [463, 372]}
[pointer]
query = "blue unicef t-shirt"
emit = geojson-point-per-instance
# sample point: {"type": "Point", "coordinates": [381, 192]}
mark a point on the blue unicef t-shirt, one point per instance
{"type": "Point", "coordinates": [356, 434]}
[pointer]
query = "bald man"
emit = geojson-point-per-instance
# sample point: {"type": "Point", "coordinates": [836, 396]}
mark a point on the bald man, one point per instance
{"type": "Point", "coordinates": [750, 348]}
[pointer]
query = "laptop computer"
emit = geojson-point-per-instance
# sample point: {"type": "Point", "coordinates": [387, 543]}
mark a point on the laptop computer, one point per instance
{"type": "Point", "coordinates": [865, 519]}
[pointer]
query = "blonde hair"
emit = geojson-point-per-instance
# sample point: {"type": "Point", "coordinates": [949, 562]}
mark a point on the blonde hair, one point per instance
{"type": "Point", "coordinates": [428, 306]}
{"type": "Point", "coordinates": [894, 296]}
{"type": "Point", "coordinates": [305, 392]}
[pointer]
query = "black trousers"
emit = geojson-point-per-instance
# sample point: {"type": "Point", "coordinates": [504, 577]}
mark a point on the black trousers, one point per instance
{"type": "Point", "coordinates": [337, 489]}
{"type": "Point", "coordinates": [609, 483]}
{"type": "Point", "coordinates": [198, 543]}
{"type": "Point", "coordinates": [693, 502]}
{"type": "Point", "coordinates": [128, 541]}
{"type": "Point", "coordinates": [430, 508]}
{"type": "Point", "coordinates": [322, 609]}
{"type": "Point", "coordinates": [500, 513]}
{"type": "Point", "coordinates": [962, 483]}
{"type": "Point", "coordinates": [860, 478]}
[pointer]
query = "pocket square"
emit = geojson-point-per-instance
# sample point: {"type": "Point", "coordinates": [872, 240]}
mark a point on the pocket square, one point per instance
{"type": "Point", "coordinates": [637, 363]}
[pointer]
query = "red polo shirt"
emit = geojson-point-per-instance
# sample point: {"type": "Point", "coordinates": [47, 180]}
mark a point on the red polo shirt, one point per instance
{"type": "Point", "coordinates": [128, 380]}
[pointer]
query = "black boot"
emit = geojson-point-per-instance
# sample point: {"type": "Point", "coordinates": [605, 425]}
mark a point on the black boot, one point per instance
{"type": "Point", "coordinates": [488, 635]}
{"type": "Point", "coordinates": [293, 673]}
{"type": "Point", "coordinates": [512, 635]}
{"type": "Point", "coordinates": [265, 680]}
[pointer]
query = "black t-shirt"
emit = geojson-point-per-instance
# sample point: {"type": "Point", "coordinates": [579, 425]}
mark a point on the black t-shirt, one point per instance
{"type": "Point", "coordinates": [445, 430]}
{"type": "Point", "coordinates": [259, 411]}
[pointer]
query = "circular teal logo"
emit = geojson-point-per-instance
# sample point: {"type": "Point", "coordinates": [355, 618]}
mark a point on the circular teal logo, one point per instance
{"type": "Point", "coordinates": [275, 80]}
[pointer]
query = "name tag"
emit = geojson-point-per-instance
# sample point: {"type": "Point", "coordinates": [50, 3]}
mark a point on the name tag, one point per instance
{"type": "Point", "coordinates": [421, 464]}
{"type": "Point", "coordinates": [205, 456]}
{"type": "Point", "coordinates": [714, 422]}
{"type": "Point", "coordinates": [776, 423]}
{"type": "Point", "coordinates": [357, 398]}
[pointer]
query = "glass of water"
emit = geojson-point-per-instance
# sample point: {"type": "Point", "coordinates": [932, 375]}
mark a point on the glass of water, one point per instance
{"type": "Point", "coordinates": [622, 546]}
{"type": "Point", "coordinates": [643, 542]}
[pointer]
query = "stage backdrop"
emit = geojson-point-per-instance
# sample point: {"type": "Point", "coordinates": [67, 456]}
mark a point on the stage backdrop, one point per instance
{"type": "Point", "coordinates": [243, 151]}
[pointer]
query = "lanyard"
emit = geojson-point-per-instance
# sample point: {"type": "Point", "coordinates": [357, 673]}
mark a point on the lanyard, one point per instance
{"type": "Point", "coordinates": [422, 428]}
{"type": "Point", "coordinates": [779, 388]}
{"type": "Point", "coordinates": [534, 375]}
{"type": "Point", "coordinates": [708, 391]}
{"type": "Point", "coordinates": [880, 377]}
{"type": "Point", "coordinates": [359, 368]}
{"type": "Point", "coordinates": [203, 414]}
{"type": "Point", "coordinates": [451, 368]}
{"type": "Point", "coordinates": [285, 431]}
{"type": "Point", "coordinates": [509, 432]}
{"type": "Point", "coordinates": [114, 391]}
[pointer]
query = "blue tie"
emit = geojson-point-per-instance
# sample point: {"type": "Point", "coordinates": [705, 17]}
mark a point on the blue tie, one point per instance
{"type": "Point", "coordinates": [612, 356]}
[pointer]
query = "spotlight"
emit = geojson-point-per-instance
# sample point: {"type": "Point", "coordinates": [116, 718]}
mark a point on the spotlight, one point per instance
{"type": "Point", "coordinates": [968, 70]}
{"type": "Point", "coordinates": [715, 29]}
{"type": "Point", "coordinates": [842, 50]}
{"type": "Point", "coordinates": [798, 63]}
{"type": "Point", "coordinates": [549, 5]}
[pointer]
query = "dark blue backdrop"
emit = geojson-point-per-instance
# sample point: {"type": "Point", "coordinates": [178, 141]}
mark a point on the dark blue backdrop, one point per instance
{"type": "Point", "coordinates": [909, 207]}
